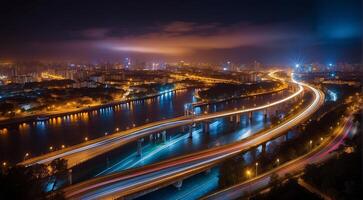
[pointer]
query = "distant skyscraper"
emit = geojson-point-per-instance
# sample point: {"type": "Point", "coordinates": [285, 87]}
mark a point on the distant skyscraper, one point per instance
{"type": "Point", "coordinates": [127, 63]}
{"type": "Point", "coordinates": [226, 66]}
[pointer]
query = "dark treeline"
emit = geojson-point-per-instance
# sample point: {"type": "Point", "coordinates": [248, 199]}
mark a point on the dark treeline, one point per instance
{"type": "Point", "coordinates": [33, 182]}
{"type": "Point", "coordinates": [224, 90]}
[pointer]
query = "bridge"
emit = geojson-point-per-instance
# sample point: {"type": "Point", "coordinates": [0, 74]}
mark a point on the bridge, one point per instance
{"type": "Point", "coordinates": [174, 170]}
{"type": "Point", "coordinates": [87, 150]}
{"type": "Point", "coordinates": [296, 166]}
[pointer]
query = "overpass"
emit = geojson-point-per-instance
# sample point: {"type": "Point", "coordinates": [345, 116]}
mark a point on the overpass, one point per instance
{"type": "Point", "coordinates": [146, 178]}
{"type": "Point", "coordinates": [319, 154]}
{"type": "Point", "coordinates": [87, 150]}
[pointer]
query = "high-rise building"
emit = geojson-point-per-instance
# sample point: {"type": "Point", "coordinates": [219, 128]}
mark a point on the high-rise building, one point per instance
{"type": "Point", "coordinates": [127, 63]}
{"type": "Point", "coordinates": [227, 66]}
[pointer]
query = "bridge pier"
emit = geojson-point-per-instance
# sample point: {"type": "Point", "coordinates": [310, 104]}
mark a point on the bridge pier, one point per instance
{"type": "Point", "coordinates": [238, 118]}
{"type": "Point", "coordinates": [263, 149]}
{"type": "Point", "coordinates": [206, 127]}
{"type": "Point", "coordinates": [178, 184]}
{"type": "Point", "coordinates": [139, 146]}
{"type": "Point", "coordinates": [250, 116]}
{"type": "Point", "coordinates": [190, 131]}
{"type": "Point", "coordinates": [231, 119]}
{"type": "Point", "coordinates": [163, 136]}
{"type": "Point", "coordinates": [286, 137]}
{"type": "Point", "coordinates": [70, 176]}
{"type": "Point", "coordinates": [183, 128]}
{"type": "Point", "coordinates": [265, 114]}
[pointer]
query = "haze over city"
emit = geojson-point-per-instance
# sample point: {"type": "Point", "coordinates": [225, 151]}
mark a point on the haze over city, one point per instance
{"type": "Point", "coordinates": [275, 32]}
{"type": "Point", "coordinates": [171, 100]}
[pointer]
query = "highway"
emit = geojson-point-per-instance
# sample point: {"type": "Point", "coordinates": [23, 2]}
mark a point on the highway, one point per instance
{"type": "Point", "coordinates": [319, 154]}
{"type": "Point", "coordinates": [169, 171]}
{"type": "Point", "coordinates": [82, 152]}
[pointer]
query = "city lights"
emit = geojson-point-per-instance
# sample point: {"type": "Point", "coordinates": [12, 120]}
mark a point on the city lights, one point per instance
{"type": "Point", "coordinates": [180, 100]}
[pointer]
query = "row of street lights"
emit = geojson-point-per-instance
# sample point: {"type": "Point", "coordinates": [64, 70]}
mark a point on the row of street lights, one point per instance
{"type": "Point", "coordinates": [51, 148]}
{"type": "Point", "coordinates": [4, 164]}
{"type": "Point", "coordinates": [249, 173]}
{"type": "Point", "coordinates": [64, 146]}
{"type": "Point", "coordinates": [26, 156]}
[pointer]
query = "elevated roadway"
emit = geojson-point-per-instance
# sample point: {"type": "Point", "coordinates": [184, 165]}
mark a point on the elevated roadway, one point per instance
{"type": "Point", "coordinates": [153, 176]}
{"type": "Point", "coordinates": [87, 150]}
{"type": "Point", "coordinates": [319, 154]}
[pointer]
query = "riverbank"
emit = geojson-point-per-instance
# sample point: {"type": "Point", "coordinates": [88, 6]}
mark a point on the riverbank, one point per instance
{"type": "Point", "coordinates": [33, 117]}
{"type": "Point", "coordinates": [203, 102]}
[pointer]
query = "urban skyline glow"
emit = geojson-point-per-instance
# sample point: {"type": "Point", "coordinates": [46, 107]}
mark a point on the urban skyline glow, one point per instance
{"type": "Point", "coordinates": [211, 32]}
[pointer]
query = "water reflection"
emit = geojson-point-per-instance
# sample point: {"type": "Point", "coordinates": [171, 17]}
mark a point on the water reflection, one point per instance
{"type": "Point", "coordinates": [36, 137]}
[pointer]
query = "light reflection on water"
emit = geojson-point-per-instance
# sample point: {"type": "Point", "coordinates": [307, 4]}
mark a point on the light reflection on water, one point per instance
{"type": "Point", "coordinates": [220, 133]}
{"type": "Point", "coordinates": [71, 129]}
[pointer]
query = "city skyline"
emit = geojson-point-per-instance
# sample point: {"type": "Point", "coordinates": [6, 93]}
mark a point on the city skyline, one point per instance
{"type": "Point", "coordinates": [181, 99]}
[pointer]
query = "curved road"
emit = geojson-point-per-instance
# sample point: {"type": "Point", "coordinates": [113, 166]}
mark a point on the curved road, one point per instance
{"type": "Point", "coordinates": [144, 178]}
{"type": "Point", "coordinates": [79, 153]}
{"type": "Point", "coordinates": [319, 154]}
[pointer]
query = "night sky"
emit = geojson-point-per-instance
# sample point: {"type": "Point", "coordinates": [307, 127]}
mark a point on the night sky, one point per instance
{"type": "Point", "coordinates": [273, 32]}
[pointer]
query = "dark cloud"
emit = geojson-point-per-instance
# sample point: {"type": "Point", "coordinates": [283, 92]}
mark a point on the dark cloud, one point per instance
{"type": "Point", "coordinates": [215, 29]}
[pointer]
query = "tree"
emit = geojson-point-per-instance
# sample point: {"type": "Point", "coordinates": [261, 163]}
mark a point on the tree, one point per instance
{"type": "Point", "coordinates": [274, 182]}
{"type": "Point", "coordinates": [58, 168]}
{"type": "Point", "coordinates": [291, 153]}
{"type": "Point", "coordinates": [274, 178]}
{"type": "Point", "coordinates": [231, 171]}
{"type": "Point", "coordinates": [311, 171]}
{"type": "Point", "coordinates": [21, 182]}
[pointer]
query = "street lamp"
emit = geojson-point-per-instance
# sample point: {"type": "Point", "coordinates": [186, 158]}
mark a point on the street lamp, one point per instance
{"type": "Point", "coordinates": [63, 146]}
{"type": "Point", "coordinates": [26, 155]}
{"type": "Point", "coordinates": [248, 172]}
{"type": "Point", "coordinates": [278, 161]}
{"type": "Point", "coordinates": [50, 148]}
{"type": "Point", "coordinates": [256, 167]}
{"type": "Point", "coordinates": [310, 143]}
{"type": "Point", "coordinates": [70, 176]}
{"type": "Point", "coordinates": [86, 139]}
